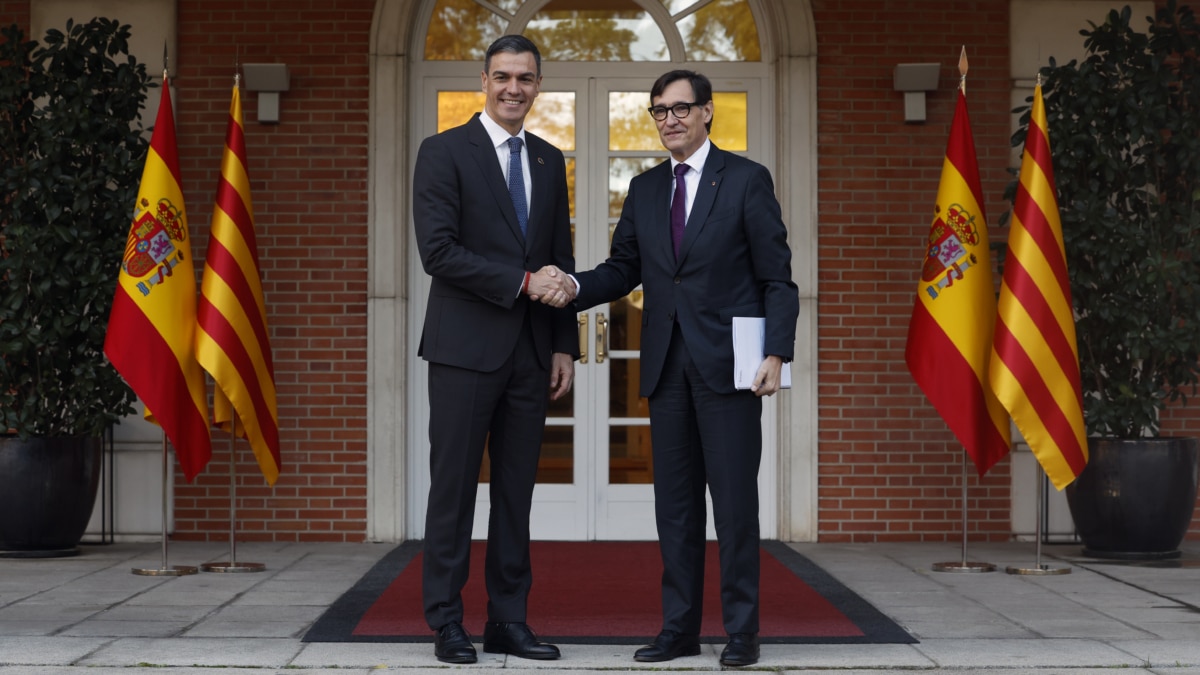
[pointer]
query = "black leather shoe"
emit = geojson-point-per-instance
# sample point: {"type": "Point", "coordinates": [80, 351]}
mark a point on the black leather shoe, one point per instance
{"type": "Point", "coordinates": [516, 639]}
{"type": "Point", "coordinates": [742, 650]}
{"type": "Point", "coordinates": [451, 644]}
{"type": "Point", "coordinates": [668, 645]}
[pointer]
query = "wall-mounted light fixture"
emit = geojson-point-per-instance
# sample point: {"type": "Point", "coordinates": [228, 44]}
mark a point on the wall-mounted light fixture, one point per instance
{"type": "Point", "coordinates": [914, 79]}
{"type": "Point", "coordinates": [268, 79]}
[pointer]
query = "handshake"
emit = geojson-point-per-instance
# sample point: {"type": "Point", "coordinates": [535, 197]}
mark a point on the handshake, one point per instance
{"type": "Point", "coordinates": [551, 286]}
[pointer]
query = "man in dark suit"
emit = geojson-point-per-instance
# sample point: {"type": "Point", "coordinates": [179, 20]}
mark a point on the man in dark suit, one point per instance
{"type": "Point", "coordinates": [707, 243]}
{"type": "Point", "coordinates": [490, 209]}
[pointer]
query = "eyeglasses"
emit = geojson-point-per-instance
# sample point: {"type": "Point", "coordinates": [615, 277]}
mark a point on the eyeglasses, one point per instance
{"type": "Point", "coordinates": [679, 110]}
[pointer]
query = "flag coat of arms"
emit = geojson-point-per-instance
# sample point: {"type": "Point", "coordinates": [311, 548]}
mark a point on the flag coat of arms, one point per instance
{"type": "Point", "coordinates": [232, 341]}
{"type": "Point", "coordinates": [152, 325]}
{"type": "Point", "coordinates": [1034, 368]}
{"type": "Point", "coordinates": [950, 332]}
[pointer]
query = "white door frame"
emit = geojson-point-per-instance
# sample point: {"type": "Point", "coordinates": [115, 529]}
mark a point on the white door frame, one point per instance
{"type": "Point", "coordinates": [395, 382]}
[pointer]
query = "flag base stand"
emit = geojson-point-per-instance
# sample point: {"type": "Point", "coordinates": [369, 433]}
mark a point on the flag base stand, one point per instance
{"type": "Point", "coordinates": [233, 567]}
{"type": "Point", "coordinates": [172, 571]}
{"type": "Point", "coordinates": [1038, 568]}
{"type": "Point", "coordinates": [964, 565]}
{"type": "Point", "coordinates": [164, 570]}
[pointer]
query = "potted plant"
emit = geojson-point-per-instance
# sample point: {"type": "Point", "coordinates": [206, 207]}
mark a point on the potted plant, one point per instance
{"type": "Point", "coordinates": [1124, 127]}
{"type": "Point", "coordinates": [71, 152]}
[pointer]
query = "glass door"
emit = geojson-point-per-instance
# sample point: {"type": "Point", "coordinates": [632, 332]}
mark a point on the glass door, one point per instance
{"type": "Point", "coordinates": [595, 474]}
{"type": "Point", "coordinates": [626, 144]}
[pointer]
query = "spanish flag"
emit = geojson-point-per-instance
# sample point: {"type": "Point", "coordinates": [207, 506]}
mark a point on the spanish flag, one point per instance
{"type": "Point", "coordinates": [1035, 361]}
{"type": "Point", "coordinates": [232, 342]}
{"type": "Point", "coordinates": [950, 333]}
{"type": "Point", "coordinates": [151, 329]}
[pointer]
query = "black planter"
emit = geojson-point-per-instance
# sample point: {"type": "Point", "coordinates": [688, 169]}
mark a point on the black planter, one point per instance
{"type": "Point", "coordinates": [1135, 498]}
{"type": "Point", "coordinates": [47, 490]}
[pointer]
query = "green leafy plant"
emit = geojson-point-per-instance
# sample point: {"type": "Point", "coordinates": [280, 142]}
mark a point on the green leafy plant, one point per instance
{"type": "Point", "coordinates": [71, 152]}
{"type": "Point", "coordinates": [1124, 128]}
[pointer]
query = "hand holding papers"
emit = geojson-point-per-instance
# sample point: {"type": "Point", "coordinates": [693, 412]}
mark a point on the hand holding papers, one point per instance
{"type": "Point", "coordinates": [748, 335]}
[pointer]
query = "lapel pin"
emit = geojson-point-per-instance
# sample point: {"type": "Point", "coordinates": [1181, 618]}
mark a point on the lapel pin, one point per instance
{"type": "Point", "coordinates": [540, 161]}
{"type": "Point", "coordinates": [714, 183]}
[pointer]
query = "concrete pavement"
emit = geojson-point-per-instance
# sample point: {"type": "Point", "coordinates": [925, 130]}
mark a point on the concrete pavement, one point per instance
{"type": "Point", "coordinates": [90, 615]}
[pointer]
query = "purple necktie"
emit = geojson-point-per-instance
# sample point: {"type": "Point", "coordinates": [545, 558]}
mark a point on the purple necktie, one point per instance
{"type": "Point", "coordinates": [679, 207]}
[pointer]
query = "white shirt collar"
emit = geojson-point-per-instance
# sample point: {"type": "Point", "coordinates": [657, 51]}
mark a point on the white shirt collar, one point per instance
{"type": "Point", "coordinates": [697, 160]}
{"type": "Point", "coordinates": [497, 133]}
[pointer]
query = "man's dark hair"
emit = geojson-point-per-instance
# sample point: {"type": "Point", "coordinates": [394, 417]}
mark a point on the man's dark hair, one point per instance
{"type": "Point", "coordinates": [701, 87]}
{"type": "Point", "coordinates": [513, 44]}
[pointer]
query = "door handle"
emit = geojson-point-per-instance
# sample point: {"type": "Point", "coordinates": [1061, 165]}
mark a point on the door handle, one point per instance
{"type": "Point", "coordinates": [601, 337]}
{"type": "Point", "coordinates": [583, 329]}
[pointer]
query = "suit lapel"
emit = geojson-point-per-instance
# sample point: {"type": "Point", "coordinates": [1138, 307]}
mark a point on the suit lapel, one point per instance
{"type": "Point", "coordinates": [540, 190]}
{"type": "Point", "coordinates": [489, 166]}
{"type": "Point", "coordinates": [706, 196]}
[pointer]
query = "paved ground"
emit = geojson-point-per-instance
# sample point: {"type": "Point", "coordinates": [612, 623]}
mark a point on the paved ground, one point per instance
{"type": "Point", "coordinates": [90, 615]}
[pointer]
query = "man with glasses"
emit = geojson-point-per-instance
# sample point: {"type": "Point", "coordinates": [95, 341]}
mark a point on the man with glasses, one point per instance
{"type": "Point", "coordinates": [702, 233]}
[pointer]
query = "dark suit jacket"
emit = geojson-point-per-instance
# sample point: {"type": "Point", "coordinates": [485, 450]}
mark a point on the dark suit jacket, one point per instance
{"type": "Point", "coordinates": [734, 261]}
{"type": "Point", "coordinates": [471, 244]}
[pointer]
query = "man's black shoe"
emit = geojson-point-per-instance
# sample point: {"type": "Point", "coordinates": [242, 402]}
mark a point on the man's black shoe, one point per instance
{"type": "Point", "coordinates": [668, 645]}
{"type": "Point", "coordinates": [742, 650]}
{"type": "Point", "coordinates": [453, 645]}
{"type": "Point", "coordinates": [516, 639]}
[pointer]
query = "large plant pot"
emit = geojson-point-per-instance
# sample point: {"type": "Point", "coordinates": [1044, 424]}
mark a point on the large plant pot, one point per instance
{"type": "Point", "coordinates": [47, 490]}
{"type": "Point", "coordinates": [1134, 499]}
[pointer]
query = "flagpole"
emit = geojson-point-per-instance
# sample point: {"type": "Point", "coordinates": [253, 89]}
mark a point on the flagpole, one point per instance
{"type": "Point", "coordinates": [233, 565]}
{"type": "Point", "coordinates": [1038, 568]}
{"type": "Point", "coordinates": [964, 565]}
{"type": "Point", "coordinates": [1015, 367]}
{"type": "Point", "coordinates": [165, 570]}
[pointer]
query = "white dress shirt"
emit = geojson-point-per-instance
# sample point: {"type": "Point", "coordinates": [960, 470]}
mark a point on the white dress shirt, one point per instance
{"type": "Point", "coordinates": [500, 137]}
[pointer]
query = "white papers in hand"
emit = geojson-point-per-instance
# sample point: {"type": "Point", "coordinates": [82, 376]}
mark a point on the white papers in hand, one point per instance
{"type": "Point", "coordinates": [748, 335]}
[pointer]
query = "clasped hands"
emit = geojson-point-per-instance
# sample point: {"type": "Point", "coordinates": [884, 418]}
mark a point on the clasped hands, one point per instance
{"type": "Point", "coordinates": [551, 286]}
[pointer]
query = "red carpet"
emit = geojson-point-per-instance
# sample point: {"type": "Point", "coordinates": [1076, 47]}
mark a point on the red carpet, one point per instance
{"type": "Point", "coordinates": [602, 592]}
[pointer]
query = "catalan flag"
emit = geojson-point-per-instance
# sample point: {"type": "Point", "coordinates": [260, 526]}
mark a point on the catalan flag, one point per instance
{"type": "Point", "coordinates": [1034, 368]}
{"type": "Point", "coordinates": [151, 329]}
{"type": "Point", "coordinates": [950, 333]}
{"type": "Point", "coordinates": [232, 342]}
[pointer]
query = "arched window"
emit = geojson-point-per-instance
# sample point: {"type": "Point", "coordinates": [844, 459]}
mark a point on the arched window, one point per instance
{"type": "Point", "coordinates": [598, 30]}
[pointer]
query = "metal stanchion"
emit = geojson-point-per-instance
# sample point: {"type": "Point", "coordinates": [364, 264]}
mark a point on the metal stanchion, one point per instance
{"type": "Point", "coordinates": [1038, 568]}
{"type": "Point", "coordinates": [964, 565]}
{"type": "Point", "coordinates": [108, 466]}
{"type": "Point", "coordinates": [233, 565]}
{"type": "Point", "coordinates": [165, 570]}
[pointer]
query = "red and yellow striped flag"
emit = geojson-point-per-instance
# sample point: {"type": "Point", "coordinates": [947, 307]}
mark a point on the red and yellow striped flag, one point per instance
{"type": "Point", "coordinates": [950, 333]}
{"type": "Point", "coordinates": [150, 331]}
{"type": "Point", "coordinates": [1035, 361]}
{"type": "Point", "coordinates": [232, 342]}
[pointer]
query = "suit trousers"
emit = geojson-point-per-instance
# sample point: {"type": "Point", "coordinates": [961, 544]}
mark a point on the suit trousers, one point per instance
{"type": "Point", "coordinates": [704, 437]}
{"type": "Point", "coordinates": [506, 409]}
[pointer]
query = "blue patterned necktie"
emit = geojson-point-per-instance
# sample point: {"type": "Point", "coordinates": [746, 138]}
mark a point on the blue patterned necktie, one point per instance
{"type": "Point", "coordinates": [679, 207]}
{"type": "Point", "coordinates": [516, 182]}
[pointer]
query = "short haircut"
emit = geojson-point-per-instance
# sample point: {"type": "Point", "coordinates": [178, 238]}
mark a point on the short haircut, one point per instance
{"type": "Point", "coordinates": [513, 44]}
{"type": "Point", "coordinates": [701, 87]}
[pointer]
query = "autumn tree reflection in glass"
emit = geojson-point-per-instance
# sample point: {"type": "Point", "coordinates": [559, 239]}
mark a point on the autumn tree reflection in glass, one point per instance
{"type": "Point", "coordinates": [598, 30]}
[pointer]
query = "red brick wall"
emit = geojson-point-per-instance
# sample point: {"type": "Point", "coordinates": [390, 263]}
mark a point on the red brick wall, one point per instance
{"type": "Point", "coordinates": [15, 11]}
{"type": "Point", "coordinates": [889, 468]}
{"type": "Point", "coordinates": [308, 178]}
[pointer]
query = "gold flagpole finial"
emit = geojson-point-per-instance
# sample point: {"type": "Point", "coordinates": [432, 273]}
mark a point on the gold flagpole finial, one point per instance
{"type": "Point", "coordinates": [165, 60]}
{"type": "Point", "coordinates": [237, 67]}
{"type": "Point", "coordinates": [962, 70]}
{"type": "Point", "coordinates": [1039, 79]}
